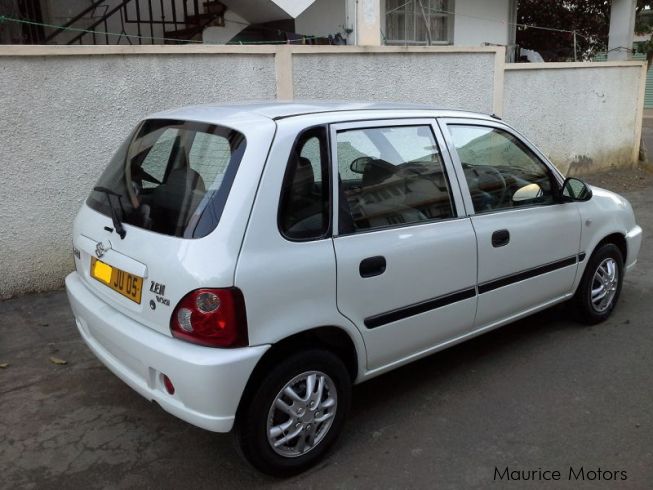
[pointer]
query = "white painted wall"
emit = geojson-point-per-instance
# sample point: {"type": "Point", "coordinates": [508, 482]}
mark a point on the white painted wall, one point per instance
{"type": "Point", "coordinates": [480, 21]}
{"type": "Point", "coordinates": [61, 119]}
{"type": "Point", "coordinates": [322, 18]}
{"type": "Point", "coordinates": [582, 118]}
{"type": "Point", "coordinates": [448, 80]}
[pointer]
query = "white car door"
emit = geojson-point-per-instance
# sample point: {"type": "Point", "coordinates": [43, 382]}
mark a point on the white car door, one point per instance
{"type": "Point", "coordinates": [405, 251]}
{"type": "Point", "coordinates": [528, 239]}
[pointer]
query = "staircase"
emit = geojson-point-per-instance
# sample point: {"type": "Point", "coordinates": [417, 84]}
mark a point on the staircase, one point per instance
{"type": "Point", "coordinates": [213, 15]}
{"type": "Point", "coordinates": [140, 22]}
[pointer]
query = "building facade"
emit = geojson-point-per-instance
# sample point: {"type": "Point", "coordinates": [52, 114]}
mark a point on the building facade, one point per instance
{"type": "Point", "coordinates": [354, 22]}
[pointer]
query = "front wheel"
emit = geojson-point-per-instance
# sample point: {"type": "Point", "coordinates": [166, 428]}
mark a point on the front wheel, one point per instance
{"type": "Point", "coordinates": [296, 414]}
{"type": "Point", "coordinates": [600, 287]}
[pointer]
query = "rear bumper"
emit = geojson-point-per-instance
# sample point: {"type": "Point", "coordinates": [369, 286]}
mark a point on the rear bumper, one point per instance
{"type": "Point", "coordinates": [633, 244]}
{"type": "Point", "coordinates": [208, 381]}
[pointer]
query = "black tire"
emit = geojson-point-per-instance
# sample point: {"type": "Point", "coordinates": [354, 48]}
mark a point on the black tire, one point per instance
{"type": "Point", "coordinates": [251, 423]}
{"type": "Point", "coordinates": [585, 310]}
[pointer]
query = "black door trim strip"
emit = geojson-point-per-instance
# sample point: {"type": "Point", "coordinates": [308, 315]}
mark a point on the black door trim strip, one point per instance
{"type": "Point", "coordinates": [397, 314]}
{"type": "Point", "coordinates": [527, 274]}
{"type": "Point", "coordinates": [417, 308]}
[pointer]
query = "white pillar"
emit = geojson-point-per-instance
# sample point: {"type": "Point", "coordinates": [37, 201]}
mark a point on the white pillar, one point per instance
{"type": "Point", "coordinates": [622, 28]}
{"type": "Point", "coordinates": [368, 22]}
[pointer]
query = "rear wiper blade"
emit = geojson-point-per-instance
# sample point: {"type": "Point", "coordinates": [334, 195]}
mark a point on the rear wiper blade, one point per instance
{"type": "Point", "coordinates": [117, 224]}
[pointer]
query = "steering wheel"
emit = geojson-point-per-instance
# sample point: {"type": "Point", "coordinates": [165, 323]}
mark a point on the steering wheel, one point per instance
{"type": "Point", "coordinates": [480, 174]}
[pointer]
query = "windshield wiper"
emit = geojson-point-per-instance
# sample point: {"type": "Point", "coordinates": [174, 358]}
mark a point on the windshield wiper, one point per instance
{"type": "Point", "coordinates": [117, 224]}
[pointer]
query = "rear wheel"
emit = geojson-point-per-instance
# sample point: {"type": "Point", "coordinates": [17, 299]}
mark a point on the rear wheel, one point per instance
{"type": "Point", "coordinates": [600, 287]}
{"type": "Point", "coordinates": [296, 413]}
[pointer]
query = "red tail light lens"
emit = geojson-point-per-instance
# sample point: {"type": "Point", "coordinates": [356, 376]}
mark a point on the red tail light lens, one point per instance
{"type": "Point", "coordinates": [211, 317]}
{"type": "Point", "coordinates": [170, 388]}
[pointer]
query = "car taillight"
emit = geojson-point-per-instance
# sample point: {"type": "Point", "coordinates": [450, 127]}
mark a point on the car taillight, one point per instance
{"type": "Point", "coordinates": [211, 317]}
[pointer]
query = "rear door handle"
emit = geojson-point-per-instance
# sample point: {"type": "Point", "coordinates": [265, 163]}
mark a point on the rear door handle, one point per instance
{"type": "Point", "coordinates": [372, 266]}
{"type": "Point", "coordinates": [500, 238]}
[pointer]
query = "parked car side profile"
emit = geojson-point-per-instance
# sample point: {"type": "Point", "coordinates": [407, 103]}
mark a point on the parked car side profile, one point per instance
{"type": "Point", "coordinates": [244, 265]}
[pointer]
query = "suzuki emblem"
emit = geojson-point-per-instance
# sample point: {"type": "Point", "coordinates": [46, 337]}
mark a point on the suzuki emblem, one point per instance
{"type": "Point", "coordinates": [101, 248]}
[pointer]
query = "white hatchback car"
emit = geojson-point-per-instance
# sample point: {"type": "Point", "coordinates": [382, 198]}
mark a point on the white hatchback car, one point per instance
{"type": "Point", "coordinates": [243, 265]}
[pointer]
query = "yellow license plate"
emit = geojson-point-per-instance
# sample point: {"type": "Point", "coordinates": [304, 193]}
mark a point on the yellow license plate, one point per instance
{"type": "Point", "coordinates": [129, 285]}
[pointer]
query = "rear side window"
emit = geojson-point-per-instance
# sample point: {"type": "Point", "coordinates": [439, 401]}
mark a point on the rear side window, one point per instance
{"type": "Point", "coordinates": [172, 177]}
{"type": "Point", "coordinates": [390, 176]}
{"type": "Point", "coordinates": [304, 204]}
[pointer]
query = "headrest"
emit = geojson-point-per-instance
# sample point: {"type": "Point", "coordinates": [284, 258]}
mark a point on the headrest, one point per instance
{"type": "Point", "coordinates": [304, 178]}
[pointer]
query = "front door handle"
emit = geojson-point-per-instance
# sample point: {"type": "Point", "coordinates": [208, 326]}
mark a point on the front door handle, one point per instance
{"type": "Point", "coordinates": [500, 238]}
{"type": "Point", "coordinates": [372, 266]}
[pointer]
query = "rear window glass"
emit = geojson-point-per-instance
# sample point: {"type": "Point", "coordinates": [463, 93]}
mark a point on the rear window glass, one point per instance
{"type": "Point", "coordinates": [171, 177]}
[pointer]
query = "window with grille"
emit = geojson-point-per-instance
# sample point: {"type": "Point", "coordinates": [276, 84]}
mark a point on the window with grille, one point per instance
{"type": "Point", "coordinates": [410, 22]}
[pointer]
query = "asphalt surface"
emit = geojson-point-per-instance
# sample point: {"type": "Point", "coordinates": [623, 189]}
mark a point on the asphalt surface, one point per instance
{"type": "Point", "coordinates": [543, 393]}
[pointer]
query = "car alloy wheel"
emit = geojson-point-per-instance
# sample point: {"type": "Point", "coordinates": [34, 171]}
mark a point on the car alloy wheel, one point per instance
{"type": "Point", "coordinates": [604, 284]}
{"type": "Point", "coordinates": [302, 414]}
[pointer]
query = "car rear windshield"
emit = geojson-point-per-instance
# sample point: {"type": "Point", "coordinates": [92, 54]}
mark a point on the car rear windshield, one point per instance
{"type": "Point", "coordinates": [171, 177]}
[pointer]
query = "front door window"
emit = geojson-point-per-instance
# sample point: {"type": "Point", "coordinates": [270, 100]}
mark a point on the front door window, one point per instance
{"type": "Point", "coordinates": [501, 171]}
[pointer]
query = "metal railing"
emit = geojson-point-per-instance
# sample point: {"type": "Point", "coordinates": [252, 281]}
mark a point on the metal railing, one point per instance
{"type": "Point", "coordinates": [184, 25]}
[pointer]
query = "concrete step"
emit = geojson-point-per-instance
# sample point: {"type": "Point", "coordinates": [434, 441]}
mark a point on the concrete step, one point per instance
{"type": "Point", "coordinates": [193, 20]}
{"type": "Point", "coordinates": [195, 23]}
{"type": "Point", "coordinates": [183, 34]}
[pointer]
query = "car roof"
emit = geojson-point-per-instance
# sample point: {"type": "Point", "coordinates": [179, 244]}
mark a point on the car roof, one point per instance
{"type": "Point", "coordinates": [252, 111]}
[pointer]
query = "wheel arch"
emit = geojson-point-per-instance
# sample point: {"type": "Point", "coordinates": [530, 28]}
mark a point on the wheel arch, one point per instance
{"type": "Point", "coordinates": [332, 338]}
{"type": "Point", "coordinates": [618, 239]}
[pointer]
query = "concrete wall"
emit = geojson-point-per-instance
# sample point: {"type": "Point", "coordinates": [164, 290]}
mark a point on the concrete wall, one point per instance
{"type": "Point", "coordinates": [583, 116]}
{"type": "Point", "coordinates": [463, 80]}
{"type": "Point", "coordinates": [61, 120]}
{"type": "Point", "coordinates": [64, 110]}
{"type": "Point", "coordinates": [477, 22]}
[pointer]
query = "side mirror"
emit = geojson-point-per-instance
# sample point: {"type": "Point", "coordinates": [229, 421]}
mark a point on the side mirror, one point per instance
{"type": "Point", "coordinates": [358, 165]}
{"type": "Point", "coordinates": [576, 190]}
{"type": "Point", "coordinates": [527, 193]}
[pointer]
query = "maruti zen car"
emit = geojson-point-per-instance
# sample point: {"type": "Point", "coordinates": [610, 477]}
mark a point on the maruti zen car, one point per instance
{"type": "Point", "coordinates": [244, 265]}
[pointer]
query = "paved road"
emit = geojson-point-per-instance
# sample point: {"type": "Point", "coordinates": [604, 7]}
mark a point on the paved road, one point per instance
{"type": "Point", "coordinates": [542, 393]}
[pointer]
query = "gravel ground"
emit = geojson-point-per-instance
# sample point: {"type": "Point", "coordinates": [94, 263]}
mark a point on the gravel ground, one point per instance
{"type": "Point", "coordinates": [622, 180]}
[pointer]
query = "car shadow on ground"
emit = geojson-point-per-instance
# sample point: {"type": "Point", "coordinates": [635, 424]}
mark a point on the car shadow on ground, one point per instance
{"type": "Point", "coordinates": [427, 371]}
